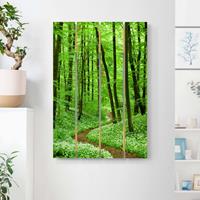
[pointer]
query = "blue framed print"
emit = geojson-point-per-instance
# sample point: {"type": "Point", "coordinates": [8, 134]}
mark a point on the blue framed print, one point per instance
{"type": "Point", "coordinates": [180, 147]}
{"type": "Point", "coordinates": [187, 185]}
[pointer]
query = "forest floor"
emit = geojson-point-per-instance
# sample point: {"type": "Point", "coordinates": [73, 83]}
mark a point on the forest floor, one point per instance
{"type": "Point", "coordinates": [116, 153]}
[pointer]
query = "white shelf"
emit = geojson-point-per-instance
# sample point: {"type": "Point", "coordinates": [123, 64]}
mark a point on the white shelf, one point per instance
{"type": "Point", "coordinates": [187, 161]}
{"type": "Point", "coordinates": [15, 109]}
{"type": "Point", "coordinates": [187, 130]}
{"type": "Point", "coordinates": [187, 192]}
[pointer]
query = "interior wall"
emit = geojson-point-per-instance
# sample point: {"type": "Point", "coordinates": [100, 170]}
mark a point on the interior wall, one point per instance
{"type": "Point", "coordinates": [57, 179]}
{"type": "Point", "coordinates": [187, 13]}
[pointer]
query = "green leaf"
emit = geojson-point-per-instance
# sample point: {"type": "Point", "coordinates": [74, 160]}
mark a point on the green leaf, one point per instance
{"type": "Point", "coordinates": [14, 152]}
{"type": "Point", "coordinates": [2, 46]}
{"type": "Point", "coordinates": [10, 169]}
{"type": "Point", "coordinates": [4, 189]}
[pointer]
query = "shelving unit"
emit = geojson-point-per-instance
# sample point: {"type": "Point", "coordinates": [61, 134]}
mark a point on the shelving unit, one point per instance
{"type": "Point", "coordinates": [186, 168]}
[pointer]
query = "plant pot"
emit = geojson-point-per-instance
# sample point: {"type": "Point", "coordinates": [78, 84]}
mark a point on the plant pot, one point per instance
{"type": "Point", "coordinates": [12, 87]}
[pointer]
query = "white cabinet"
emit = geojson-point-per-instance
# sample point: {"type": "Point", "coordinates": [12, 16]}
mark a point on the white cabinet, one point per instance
{"type": "Point", "coordinates": [16, 134]}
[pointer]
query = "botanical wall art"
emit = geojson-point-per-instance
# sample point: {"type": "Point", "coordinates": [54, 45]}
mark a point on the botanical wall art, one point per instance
{"type": "Point", "coordinates": [187, 98]}
{"type": "Point", "coordinates": [187, 48]}
{"type": "Point", "coordinates": [195, 87]}
{"type": "Point", "coordinates": [100, 89]}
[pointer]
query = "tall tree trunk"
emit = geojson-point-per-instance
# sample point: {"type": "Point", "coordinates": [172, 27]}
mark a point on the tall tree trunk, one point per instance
{"type": "Point", "coordinates": [98, 60]}
{"type": "Point", "coordinates": [145, 69]}
{"type": "Point", "coordinates": [107, 80]}
{"type": "Point", "coordinates": [84, 68]}
{"type": "Point", "coordinates": [138, 102]}
{"type": "Point", "coordinates": [139, 51]}
{"type": "Point", "coordinates": [88, 70]}
{"type": "Point", "coordinates": [80, 103]}
{"type": "Point", "coordinates": [56, 52]}
{"type": "Point", "coordinates": [127, 97]}
{"type": "Point", "coordinates": [71, 46]}
{"type": "Point", "coordinates": [115, 74]}
{"type": "Point", "coordinates": [92, 76]}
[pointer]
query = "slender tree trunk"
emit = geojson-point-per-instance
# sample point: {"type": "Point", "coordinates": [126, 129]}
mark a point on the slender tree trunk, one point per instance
{"type": "Point", "coordinates": [145, 70]}
{"type": "Point", "coordinates": [127, 97]}
{"type": "Point", "coordinates": [80, 103]}
{"type": "Point", "coordinates": [108, 81]}
{"type": "Point", "coordinates": [84, 68]}
{"type": "Point", "coordinates": [88, 70]}
{"type": "Point", "coordinates": [138, 102]}
{"type": "Point", "coordinates": [80, 106]}
{"type": "Point", "coordinates": [92, 76]}
{"type": "Point", "coordinates": [97, 63]}
{"type": "Point", "coordinates": [115, 74]}
{"type": "Point", "coordinates": [71, 46]}
{"type": "Point", "coordinates": [84, 81]}
{"type": "Point", "coordinates": [56, 51]}
{"type": "Point", "coordinates": [139, 51]}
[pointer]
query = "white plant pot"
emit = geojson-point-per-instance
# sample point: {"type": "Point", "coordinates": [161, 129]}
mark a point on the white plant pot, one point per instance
{"type": "Point", "coordinates": [12, 87]}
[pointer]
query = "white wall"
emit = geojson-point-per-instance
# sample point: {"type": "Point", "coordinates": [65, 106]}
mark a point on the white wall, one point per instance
{"type": "Point", "coordinates": [187, 13]}
{"type": "Point", "coordinates": [57, 179]}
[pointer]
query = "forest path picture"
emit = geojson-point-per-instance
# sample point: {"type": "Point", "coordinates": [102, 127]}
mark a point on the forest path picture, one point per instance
{"type": "Point", "coordinates": [100, 89]}
{"type": "Point", "coordinates": [116, 153]}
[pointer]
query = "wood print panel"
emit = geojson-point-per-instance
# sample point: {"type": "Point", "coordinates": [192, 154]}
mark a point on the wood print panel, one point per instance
{"type": "Point", "coordinates": [100, 89]}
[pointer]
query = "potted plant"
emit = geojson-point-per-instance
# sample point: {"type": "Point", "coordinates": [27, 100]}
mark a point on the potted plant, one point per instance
{"type": "Point", "coordinates": [12, 81]}
{"type": "Point", "coordinates": [6, 174]}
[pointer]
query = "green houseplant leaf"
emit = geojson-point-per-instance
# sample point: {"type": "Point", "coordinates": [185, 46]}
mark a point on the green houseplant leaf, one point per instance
{"type": "Point", "coordinates": [6, 174]}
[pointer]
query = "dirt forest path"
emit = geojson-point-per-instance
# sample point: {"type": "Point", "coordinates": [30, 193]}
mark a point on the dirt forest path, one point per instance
{"type": "Point", "coordinates": [116, 153]}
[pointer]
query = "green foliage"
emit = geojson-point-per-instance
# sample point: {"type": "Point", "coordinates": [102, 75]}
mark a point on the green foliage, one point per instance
{"type": "Point", "coordinates": [6, 174]}
{"type": "Point", "coordinates": [21, 51]}
{"type": "Point", "coordinates": [10, 21]}
{"type": "Point", "coordinates": [67, 150]}
{"type": "Point", "coordinates": [1, 47]}
{"type": "Point", "coordinates": [65, 125]}
{"type": "Point", "coordinates": [135, 143]}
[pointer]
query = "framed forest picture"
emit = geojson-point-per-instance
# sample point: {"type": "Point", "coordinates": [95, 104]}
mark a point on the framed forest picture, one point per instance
{"type": "Point", "coordinates": [100, 89]}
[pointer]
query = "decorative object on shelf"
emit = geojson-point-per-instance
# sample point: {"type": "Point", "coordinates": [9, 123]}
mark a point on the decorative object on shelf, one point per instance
{"type": "Point", "coordinates": [178, 126]}
{"type": "Point", "coordinates": [188, 154]}
{"type": "Point", "coordinates": [196, 182]}
{"type": "Point", "coordinates": [187, 185]}
{"type": "Point", "coordinates": [180, 123]}
{"type": "Point", "coordinates": [198, 151]}
{"type": "Point", "coordinates": [6, 174]}
{"type": "Point", "coordinates": [187, 48]}
{"type": "Point", "coordinates": [95, 113]}
{"type": "Point", "coordinates": [180, 147]}
{"type": "Point", "coordinates": [195, 87]}
{"type": "Point", "coordinates": [12, 82]}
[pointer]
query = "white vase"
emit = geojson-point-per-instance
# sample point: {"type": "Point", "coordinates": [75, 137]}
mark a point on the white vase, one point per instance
{"type": "Point", "coordinates": [12, 87]}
